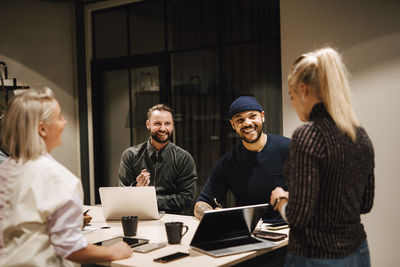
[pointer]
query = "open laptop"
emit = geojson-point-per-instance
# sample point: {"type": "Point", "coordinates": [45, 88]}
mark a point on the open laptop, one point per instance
{"type": "Point", "coordinates": [129, 201]}
{"type": "Point", "coordinates": [228, 231]}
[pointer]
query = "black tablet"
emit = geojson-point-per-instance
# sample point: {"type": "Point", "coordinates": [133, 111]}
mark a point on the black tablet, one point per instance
{"type": "Point", "coordinates": [131, 241]}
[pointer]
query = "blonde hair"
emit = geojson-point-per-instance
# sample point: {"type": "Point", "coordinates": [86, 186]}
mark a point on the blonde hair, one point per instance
{"type": "Point", "coordinates": [326, 73]}
{"type": "Point", "coordinates": [20, 129]}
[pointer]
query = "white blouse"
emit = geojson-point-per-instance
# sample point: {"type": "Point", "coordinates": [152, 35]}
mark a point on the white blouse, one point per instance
{"type": "Point", "coordinates": [40, 213]}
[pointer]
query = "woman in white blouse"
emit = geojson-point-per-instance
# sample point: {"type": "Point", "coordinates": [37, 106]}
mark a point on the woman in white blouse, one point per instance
{"type": "Point", "coordinates": [40, 200]}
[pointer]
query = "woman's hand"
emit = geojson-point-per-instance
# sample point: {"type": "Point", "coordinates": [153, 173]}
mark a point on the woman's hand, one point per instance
{"type": "Point", "coordinates": [120, 250]}
{"type": "Point", "coordinates": [86, 219]}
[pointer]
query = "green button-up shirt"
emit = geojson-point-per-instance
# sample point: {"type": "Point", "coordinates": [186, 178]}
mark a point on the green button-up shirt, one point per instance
{"type": "Point", "coordinates": [172, 173]}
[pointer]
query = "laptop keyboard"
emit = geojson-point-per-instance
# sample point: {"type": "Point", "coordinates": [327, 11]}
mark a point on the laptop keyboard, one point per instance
{"type": "Point", "coordinates": [228, 243]}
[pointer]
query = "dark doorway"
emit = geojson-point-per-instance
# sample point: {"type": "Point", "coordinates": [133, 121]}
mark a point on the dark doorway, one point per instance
{"type": "Point", "coordinates": [123, 90]}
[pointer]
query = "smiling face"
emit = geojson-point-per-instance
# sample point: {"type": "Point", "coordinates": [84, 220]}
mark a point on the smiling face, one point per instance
{"type": "Point", "coordinates": [248, 125]}
{"type": "Point", "coordinates": [161, 125]}
{"type": "Point", "coordinates": [51, 132]}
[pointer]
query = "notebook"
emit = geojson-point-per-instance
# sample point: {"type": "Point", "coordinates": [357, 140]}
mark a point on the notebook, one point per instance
{"type": "Point", "coordinates": [129, 201]}
{"type": "Point", "coordinates": [228, 231]}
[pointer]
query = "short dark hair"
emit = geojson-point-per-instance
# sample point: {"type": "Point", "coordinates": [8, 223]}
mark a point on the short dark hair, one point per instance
{"type": "Point", "coordinates": [159, 107]}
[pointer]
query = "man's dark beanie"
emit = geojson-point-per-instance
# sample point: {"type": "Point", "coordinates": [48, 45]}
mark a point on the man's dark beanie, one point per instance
{"type": "Point", "coordinates": [243, 103]}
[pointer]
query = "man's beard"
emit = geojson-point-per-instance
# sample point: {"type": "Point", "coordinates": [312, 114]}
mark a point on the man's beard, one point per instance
{"type": "Point", "coordinates": [155, 137]}
{"type": "Point", "coordinates": [259, 131]}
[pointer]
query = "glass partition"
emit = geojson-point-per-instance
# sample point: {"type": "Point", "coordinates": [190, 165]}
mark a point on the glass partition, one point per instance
{"type": "Point", "coordinates": [196, 56]}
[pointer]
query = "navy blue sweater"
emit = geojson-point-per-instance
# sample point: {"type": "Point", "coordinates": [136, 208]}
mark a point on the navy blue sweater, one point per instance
{"type": "Point", "coordinates": [251, 176]}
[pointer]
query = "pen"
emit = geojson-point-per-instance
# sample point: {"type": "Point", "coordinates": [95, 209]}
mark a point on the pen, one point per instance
{"type": "Point", "coordinates": [86, 212]}
{"type": "Point", "coordinates": [217, 203]}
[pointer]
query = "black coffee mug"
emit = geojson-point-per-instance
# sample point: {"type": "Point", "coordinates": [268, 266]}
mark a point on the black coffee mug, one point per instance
{"type": "Point", "coordinates": [174, 231]}
{"type": "Point", "coordinates": [129, 225]}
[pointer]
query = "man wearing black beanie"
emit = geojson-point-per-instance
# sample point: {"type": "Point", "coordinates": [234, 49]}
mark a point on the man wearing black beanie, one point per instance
{"type": "Point", "coordinates": [252, 169]}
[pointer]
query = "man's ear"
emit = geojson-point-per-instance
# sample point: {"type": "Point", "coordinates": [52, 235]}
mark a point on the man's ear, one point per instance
{"type": "Point", "coordinates": [262, 116]}
{"type": "Point", "coordinates": [42, 129]}
{"type": "Point", "coordinates": [233, 125]}
{"type": "Point", "coordinates": [148, 124]}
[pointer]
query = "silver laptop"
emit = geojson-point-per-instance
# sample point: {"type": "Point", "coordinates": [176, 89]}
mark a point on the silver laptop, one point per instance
{"type": "Point", "coordinates": [129, 201]}
{"type": "Point", "coordinates": [229, 231]}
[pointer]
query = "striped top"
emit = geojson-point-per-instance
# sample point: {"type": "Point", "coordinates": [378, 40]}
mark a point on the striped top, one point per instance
{"type": "Point", "coordinates": [331, 182]}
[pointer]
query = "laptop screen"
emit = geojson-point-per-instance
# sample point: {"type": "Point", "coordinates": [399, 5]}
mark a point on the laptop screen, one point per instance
{"type": "Point", "coordinates": [231, 223]}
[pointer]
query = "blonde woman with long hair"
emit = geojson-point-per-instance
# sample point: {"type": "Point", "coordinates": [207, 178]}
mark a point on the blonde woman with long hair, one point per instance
{"type": "Point", "coordinates": [40, 200]}
{"type": "Point", "coordinates": [330, 168]}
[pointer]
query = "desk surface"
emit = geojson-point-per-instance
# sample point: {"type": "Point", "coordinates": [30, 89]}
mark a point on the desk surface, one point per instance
{"type": "Point", "coordinates": [154, 230]}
